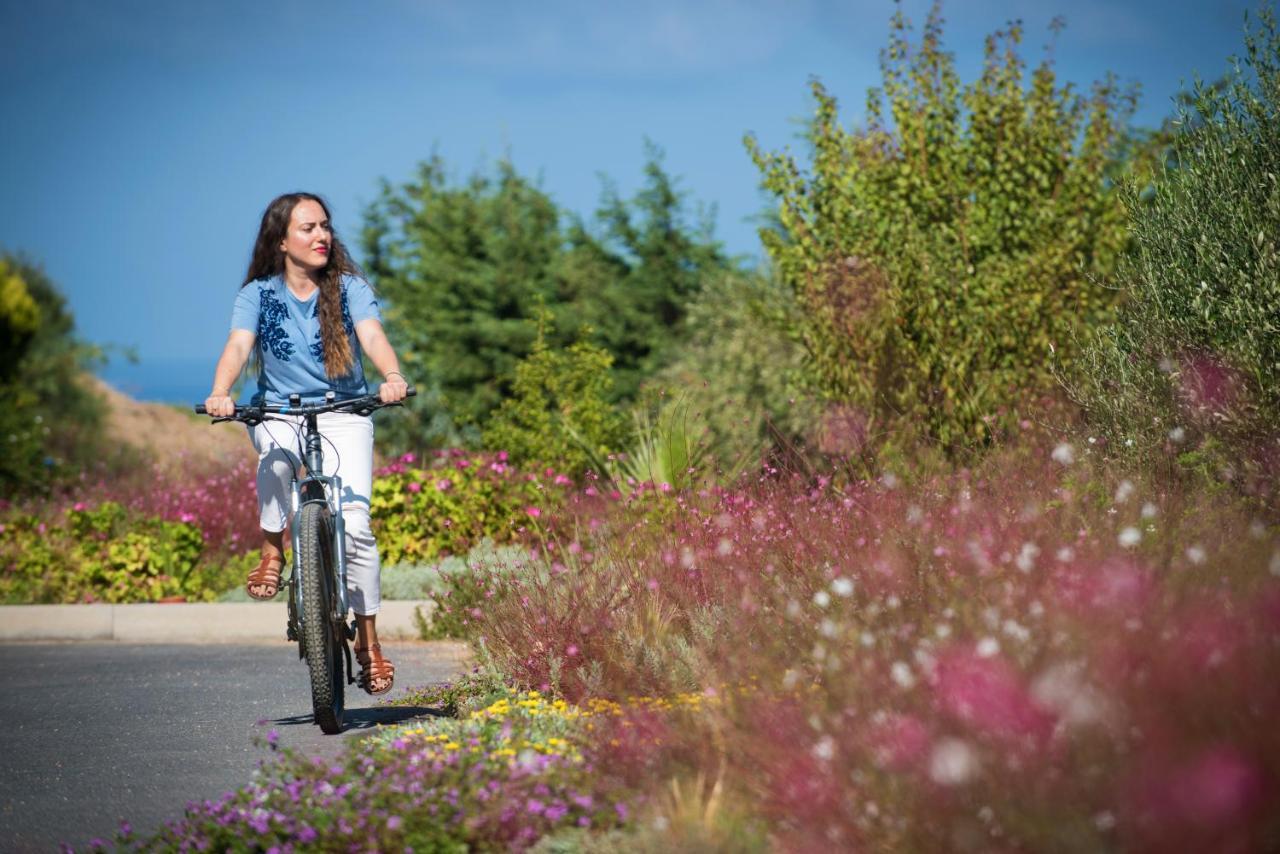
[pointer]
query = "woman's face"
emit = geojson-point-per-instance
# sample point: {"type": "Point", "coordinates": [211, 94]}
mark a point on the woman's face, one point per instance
{"type": "Point", "coordinates": [309, 239]}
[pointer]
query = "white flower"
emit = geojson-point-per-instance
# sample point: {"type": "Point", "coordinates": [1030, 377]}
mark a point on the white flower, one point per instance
{"type": "Point", "coordinates": [1026, 559]}
{"type": "Point", "coordinates": [724, 547]}
{"type": "Point", "coordinates": [842, 587]}
{"type": "Point", "coordinates": [822, 598]}
{"type": "Point", "coordinates": [943, 631]}
{"type": "Point", "coordinates": [889, 479]}
{"type": "Point", "coordinates": [892, 602]}
{"type": "Point", "coordinates": [914, 514]}
{"type": "Point", "coordinates": [1129, 537]}
{"type": "Point", "coordinates": [953, 762]}
{"type": "Point", "coordinates": [901, 674]}
{"type": "Point", "coordinates": [825, 749]}
{"type": "Point", "coordinates": [1062, 688]}
{"type": "Point", "coordinates": [1124, 491]}
{"type": "Point", "coordinates": [1196, 555]}
{"type": "Point", "coordinates": [1177, 435]}
{"type": "Point", "coordinates": [987, 647]}
{"type": "Point", "coordinates": [1064, 454]}
{"type": "Point", "coordinates": [1016, 630]}
{"type": "Point", "coordinates": [1065, 554]}
{"type": "Point", "coordinates": [828, 629]}
{"type": "Point", "coordinates": [867, 639]}
{"type": "Point", "coordinates": [1150, 511]}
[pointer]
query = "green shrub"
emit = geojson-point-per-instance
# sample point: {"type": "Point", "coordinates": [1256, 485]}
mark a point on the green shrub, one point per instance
{"type": "Point", "coordinates": [939, 254]}
{"type": "Point", "coordinates": [421, 513]}
{"type": "Point", "coordinates": [559, 411]}
{"type": "Point", "coordinates": [1192, 364]}
{"type": "Point", "coordinates": [457, 585]}
{"type": "Point", "coordinates": [103, 553]}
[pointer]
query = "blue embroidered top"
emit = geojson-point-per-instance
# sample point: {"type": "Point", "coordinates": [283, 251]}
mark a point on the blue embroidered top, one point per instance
{"type": "Point", "coordinates": [288, 342]}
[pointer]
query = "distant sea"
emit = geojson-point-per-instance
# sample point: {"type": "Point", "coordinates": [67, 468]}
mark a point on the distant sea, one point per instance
{"type": "Point", "coordinates": [175, 381]}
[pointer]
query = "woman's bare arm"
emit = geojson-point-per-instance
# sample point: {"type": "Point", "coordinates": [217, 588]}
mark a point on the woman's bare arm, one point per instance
{"type": "Point", "coordinates": [373, 340]}
{"type": "Point", "coordinates": [230, 364]}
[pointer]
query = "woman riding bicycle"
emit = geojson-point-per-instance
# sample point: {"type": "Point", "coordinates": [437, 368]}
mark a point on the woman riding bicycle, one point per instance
{"type": "Point", "coordinates": [307, 315]}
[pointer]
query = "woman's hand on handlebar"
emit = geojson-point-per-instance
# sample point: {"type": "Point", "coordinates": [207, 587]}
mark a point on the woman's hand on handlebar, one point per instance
{"type": "Point", "coordinates": [394, 391]}
{"type": "Point", "coordinates": [220, 406]}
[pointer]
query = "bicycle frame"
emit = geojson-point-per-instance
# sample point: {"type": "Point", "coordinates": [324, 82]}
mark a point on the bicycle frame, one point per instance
{"type": "Point", "coordinates": [331, 493]}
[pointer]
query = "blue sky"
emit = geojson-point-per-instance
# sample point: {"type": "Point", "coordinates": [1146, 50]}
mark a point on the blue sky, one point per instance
{"type": "Point", "coordinates": [143, 139]}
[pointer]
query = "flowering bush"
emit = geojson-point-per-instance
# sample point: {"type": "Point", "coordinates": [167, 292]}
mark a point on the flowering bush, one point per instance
{"type": "Point", "coordinates": [134, 536]}
{"type": "Point", "coordinates": [499, 778]}
{"type": "Point", "coordinates": [100, 553]}
{"type": "Point", "coordinates": [1035, 654]}
{"type": "Point", "coordinates": [445, 508]}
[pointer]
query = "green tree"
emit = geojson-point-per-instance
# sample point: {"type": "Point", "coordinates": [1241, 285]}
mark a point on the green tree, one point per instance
{"type": "Point", "coordinates": [49, 423]}
{"type": "Point", "coordinates": [463, 269]}
{"type": "Point", "coordinates": [942, 252]}
{"type": "Point", "coordinates": [1193, 362]}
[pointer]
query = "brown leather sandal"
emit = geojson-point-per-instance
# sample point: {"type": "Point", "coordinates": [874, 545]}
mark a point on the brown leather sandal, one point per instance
{"type": "Point", "coordinates": [267, 574]}
{"type": "Point", "coordinates": [374, 668]}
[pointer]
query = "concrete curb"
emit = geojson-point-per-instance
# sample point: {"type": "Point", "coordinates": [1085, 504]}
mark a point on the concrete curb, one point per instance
{"type": "Point", "coordinates": [181, 622]}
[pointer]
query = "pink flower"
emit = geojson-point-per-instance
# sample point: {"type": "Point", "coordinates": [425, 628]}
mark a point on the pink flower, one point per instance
{"type": "Point", "coordinates": [561, 480]}
{"type": "Point", "coordinates": [444, 484]}
{"type": "Point", "coordinates": [571, 651]}
{"type": "Point", "coordinates": [80, 506]}
{"type": "Point", "coordinates": [533, 511]}
{"type": "Point", "coordinates": [408, 458]}
{"type": "Point", "coordinates": [986, 693]}
{"type": "Point", "coordinates": [414, 486]}
{"type": "Point", "coordinates": [898, 741]}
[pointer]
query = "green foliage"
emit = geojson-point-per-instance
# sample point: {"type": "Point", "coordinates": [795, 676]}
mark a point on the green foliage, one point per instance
{"type": "Point", "coordinates": [1193, 362]}
{"type": "Point", "coordinates": [49, 423]}
{"type": "Point", "coordinates": [455, 584]}
{"type": "Point", "coordinates": [939, 254]}
{"type": "Point", "coordinates": [103, 553]}
{"type": "Point", "coordinates": [738, 373]}
{"type": "Point", "coordinates": [559, 411]}
{"type": "Point", "coordinates": [421, 513]}
{"type": "Point", "coordinates": [463, 269]}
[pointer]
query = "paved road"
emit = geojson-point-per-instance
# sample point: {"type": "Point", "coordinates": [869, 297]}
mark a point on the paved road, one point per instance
{"type": "Point", "coordinates": [91, 734]}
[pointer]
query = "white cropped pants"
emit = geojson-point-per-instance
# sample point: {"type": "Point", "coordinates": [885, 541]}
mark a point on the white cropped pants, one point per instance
{"type": "Point", "coordinates": [348, 453]}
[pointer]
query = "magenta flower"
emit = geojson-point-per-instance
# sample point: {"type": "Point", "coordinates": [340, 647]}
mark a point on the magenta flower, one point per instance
{"type": "Point", "coordinates": [533, 512]}
{"type": "Point", "coordinates": [414, 486]}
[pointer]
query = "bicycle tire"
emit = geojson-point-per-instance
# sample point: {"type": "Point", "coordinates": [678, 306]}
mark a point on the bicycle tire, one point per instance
{"type": "Point", "coordinates": [322, 648]}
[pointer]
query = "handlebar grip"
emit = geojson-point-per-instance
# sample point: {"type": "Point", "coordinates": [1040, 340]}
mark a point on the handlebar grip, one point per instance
{"type": "Point", "coordinates": [200, 410]}
{"type": "Point", "coordinates": [411, 392]}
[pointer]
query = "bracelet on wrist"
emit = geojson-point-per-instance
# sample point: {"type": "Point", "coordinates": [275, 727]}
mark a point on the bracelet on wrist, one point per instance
{"type": "Point", "coordinates": [388, 374]}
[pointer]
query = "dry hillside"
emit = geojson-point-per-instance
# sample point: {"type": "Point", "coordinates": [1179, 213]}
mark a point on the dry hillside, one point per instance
{"type": "Point", "coordinates": [169, 431]}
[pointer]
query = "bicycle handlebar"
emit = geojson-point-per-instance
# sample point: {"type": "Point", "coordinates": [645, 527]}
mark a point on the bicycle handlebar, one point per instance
{"type": "Point", "coordinates": [358, 405]}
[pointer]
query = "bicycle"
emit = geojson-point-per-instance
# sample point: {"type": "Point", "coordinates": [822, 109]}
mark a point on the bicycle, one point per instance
{"type": "Point", "coordinates": [317, 583]}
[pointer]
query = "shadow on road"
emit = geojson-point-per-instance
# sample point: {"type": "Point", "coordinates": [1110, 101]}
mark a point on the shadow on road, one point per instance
{"type": "Point", "coordinates": [369, 718]}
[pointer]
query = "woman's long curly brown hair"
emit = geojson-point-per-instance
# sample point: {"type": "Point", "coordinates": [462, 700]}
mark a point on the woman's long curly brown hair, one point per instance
{"type": "Point", "coordinates": [268, 261]}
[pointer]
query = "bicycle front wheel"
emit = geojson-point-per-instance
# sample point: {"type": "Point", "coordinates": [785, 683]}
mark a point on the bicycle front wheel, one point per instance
{"type": "Point", "coordinates": [321, 643]}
